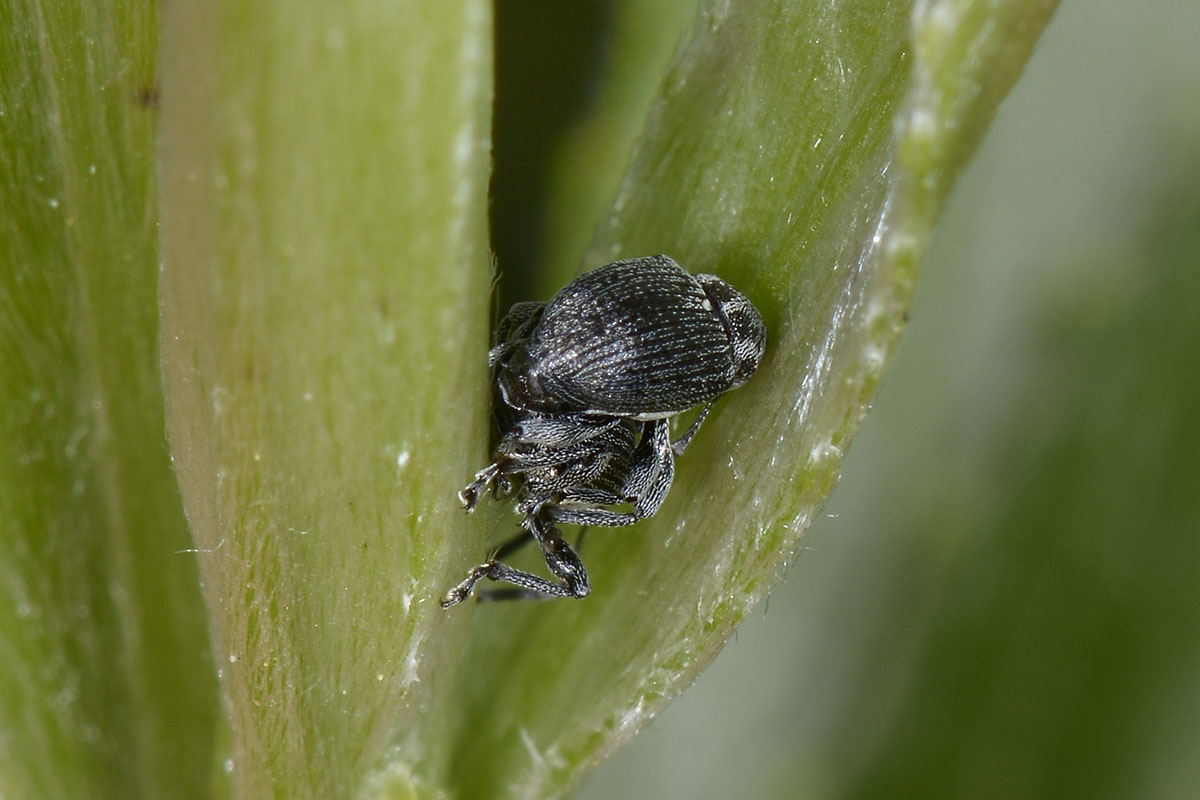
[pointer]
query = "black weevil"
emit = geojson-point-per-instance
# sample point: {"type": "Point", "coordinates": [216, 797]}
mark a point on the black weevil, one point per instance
{"type": "Point", "coordinates": [584, 388]}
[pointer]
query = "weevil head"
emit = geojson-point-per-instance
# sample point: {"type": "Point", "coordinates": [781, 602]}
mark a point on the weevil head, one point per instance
{"type": "Point", "coordinates": [520, 388]}
{"type": "Point", "coordinates": [747, 333]}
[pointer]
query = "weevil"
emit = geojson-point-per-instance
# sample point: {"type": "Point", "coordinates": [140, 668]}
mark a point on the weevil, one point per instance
{"type": "Point", "coordinates": [584, 389]}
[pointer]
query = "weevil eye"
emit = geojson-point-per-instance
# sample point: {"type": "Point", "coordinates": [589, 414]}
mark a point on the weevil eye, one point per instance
{"type": "Point", "coordinates": [747, 332]}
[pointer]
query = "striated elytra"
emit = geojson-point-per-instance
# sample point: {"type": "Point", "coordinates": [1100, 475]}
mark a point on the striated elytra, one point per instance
{"type": "Point", "coordinates": [640, 338]}
{"type": "Point", "coordinates": [584, 388]}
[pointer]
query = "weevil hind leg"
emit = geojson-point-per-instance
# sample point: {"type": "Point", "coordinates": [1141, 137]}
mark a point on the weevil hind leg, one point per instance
{"type": "Point", "coordinates": [507, 548]}
{"type": "Point", "coordinates": [560, 559]}
{"type": "Point", "coordinates": [528, 584]}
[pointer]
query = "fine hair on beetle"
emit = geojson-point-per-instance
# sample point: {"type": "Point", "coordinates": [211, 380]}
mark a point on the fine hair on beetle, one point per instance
{"type": "Point", "coordinates": [584, 388]}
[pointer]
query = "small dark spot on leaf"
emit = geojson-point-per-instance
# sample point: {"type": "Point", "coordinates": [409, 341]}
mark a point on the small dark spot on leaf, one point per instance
{"type": "Point", "coordinates": [147, 96]}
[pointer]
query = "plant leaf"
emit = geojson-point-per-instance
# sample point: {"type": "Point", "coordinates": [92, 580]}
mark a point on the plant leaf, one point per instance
{"type": "Point", "coordinates": [108, 686]}
{"type": "Point", "coordinates": [802, 152]}
{"type": "Point", "coordinates": [324, 301]}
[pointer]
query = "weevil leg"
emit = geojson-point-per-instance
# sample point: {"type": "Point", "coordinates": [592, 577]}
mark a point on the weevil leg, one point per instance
{"type": "Point", "coordinates": [463, 589]}
{"type": "Point", "coordinates": [560, 559]}
{"type": "Point", "coordinates": [507, 548]}
{"type": "Point", "coordinates": [510, 459]}
{"type": "Point", "coordinates": [651, 480]}
{"type": "Point", "coordinates": [469, 495]}
{"type": "Point", "coordinates": [653, 452]}
{"type": "Point", "coordinates": [579, 506]}
{"type": "Point", "coordinates": [644, 506]}
{"type": "Point", "coordinates": [595, 497]}
{"type": "Point", "coordinates": [680, 444]}
{"type": "Point", "coordinates": [514, 593]}
{"type": "Point", "coordinates": [502, 573]}
{"type": "Point", "coordinates": [515, 326]}
{"type": "Point", "coordinates": [594, 516]}
{"type": "Point", "coordinates": [559, 432]}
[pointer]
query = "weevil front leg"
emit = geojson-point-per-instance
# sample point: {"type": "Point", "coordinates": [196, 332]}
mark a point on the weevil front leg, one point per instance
{"type": "Point", "coordinates": [469, 495]}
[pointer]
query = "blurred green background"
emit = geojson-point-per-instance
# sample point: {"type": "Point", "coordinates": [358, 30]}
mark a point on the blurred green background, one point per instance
{"type": "Point", "coordinates": [1003, 599]}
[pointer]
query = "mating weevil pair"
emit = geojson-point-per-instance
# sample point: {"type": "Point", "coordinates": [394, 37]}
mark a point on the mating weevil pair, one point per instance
{"type": "Point", "coordinates": [584, 389]}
